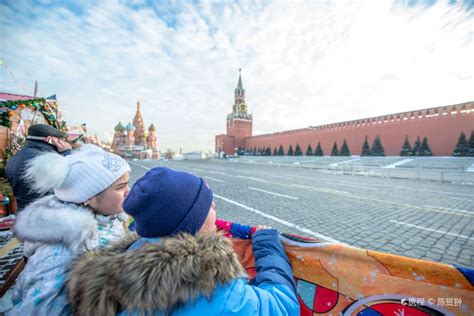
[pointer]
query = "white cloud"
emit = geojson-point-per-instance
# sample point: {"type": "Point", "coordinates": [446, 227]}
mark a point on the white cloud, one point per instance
{"type": "Point", "coordinates": [304, 63]}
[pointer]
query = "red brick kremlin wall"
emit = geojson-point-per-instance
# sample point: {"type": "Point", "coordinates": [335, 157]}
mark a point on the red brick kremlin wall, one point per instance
{"type": "Point", "coordinates": [225, 144]}
{"type": "Point", "coordinates": [240, 129]}
{"type": "Point", "coordinates": [442, 126]}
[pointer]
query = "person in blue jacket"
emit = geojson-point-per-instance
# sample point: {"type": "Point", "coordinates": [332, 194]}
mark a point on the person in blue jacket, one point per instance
{"type": "Point", "coordinates": [177, 264]}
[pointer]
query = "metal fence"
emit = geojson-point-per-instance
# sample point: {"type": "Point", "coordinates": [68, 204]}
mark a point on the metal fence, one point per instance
{"type": "Point", "coordinates": [337, 165]}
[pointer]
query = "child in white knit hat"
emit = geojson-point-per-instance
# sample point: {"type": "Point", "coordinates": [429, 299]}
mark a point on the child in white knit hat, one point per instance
{"type": "Point", "coordinates": [85, 212]}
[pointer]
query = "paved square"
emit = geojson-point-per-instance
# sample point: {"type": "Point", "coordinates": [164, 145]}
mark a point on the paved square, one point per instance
{"type": "Point", "coordinates": [419, 219]}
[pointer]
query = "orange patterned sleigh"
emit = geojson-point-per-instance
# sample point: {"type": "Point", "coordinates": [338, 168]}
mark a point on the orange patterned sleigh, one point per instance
{"type": "Point", "coordinates": [336, 279]}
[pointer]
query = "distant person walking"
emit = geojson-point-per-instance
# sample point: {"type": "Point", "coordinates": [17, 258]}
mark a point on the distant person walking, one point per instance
{"type": "Point", "coordinates": [41, 139]}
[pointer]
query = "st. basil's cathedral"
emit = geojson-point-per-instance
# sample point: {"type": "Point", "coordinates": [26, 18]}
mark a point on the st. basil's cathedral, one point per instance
{"type": "Point", "coordinates": [134, 141]}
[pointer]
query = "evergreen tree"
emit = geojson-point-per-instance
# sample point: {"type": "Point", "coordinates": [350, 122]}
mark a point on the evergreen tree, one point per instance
{"type": "Point", "coordinates": [416, 148]}
{"type": "Point", "coordinates": [290, 151]}
{"type": "Point", "coordinates": [319, 150]}
{"type": "Point", "coordinates": [365, 148]}
{"type": "Point", "coordinates": [471, 144]}
{"type": "Point", "coordinates": [421, 148]}
{"type": "Point", "coordinates": [425, 149]}
{"type": "Point", "coordinates": [268, 151]}
{"type": "Point", "coordinates": [344, 149]}
{"type": "Point", "coordinates": [334, 151]}
{"type": "Point", "coordinates": [298, 151]}
{"type": "Point", "coordinates": [255, 150]}
{"type": "Point", "coordinates": [281, 152]}
{"type": "Point", "coordinates": [406, 148]}
{"type": "Point", "coordinates": [377, 148]}
{"type": "Point", "coordinates": [309, 151]}
{"type": "Point", "coordinates": [275, 151]}
{"type": "Point", "coordinates": [462, 148]}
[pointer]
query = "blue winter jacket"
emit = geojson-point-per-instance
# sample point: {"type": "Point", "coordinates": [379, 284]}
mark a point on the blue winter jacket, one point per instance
{"type": "Point", "coordinates": [186, 275]}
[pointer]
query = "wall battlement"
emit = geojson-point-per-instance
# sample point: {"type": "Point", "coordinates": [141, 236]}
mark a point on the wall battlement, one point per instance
{"type": "Point", "coordinates": [429, 113]}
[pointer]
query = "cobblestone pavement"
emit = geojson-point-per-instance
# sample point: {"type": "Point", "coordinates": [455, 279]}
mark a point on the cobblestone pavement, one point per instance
{"type": "Point", "coordinates": [419, 219]}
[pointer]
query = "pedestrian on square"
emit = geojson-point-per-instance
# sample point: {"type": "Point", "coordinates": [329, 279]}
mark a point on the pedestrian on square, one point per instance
{"type": "Point", "coordinates": [178, 264]}
{"type": "Point", "coordinates": [41, 139]}
{"type": "Point", "coordinates": [85, 212]}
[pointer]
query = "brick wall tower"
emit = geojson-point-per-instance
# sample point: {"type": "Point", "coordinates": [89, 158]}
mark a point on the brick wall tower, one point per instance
{"type": "Point", "coordinates": [239, 122]}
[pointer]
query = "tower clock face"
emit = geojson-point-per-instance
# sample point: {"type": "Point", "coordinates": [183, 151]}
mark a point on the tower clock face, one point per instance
{"type": "Point", "coordinates": [242, 107]}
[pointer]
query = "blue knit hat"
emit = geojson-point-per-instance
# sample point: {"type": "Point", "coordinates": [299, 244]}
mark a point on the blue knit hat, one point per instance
{"type": "Point", "coordinates": [165, 202]}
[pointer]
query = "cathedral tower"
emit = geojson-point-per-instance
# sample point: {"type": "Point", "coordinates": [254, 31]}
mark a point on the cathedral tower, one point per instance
{"type": "Point", "coordinates": [118, 130]}
{"type": "Point", "coordinates": [151, 139]}
{"type": "Point", "coordinates": [130, 130]}
{"type": "Point", "coordinates": [140, 133]}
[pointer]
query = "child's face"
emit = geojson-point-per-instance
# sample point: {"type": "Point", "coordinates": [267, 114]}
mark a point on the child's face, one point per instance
{"type": "Point", "coordinates": [209, 225]}
{"type": "Point", "coordinates": [109, 201]}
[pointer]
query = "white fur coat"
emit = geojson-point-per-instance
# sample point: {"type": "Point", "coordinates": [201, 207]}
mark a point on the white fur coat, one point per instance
{"type": "Point", "coordinates": [54, 233]}
{"type": "Point", "coordinates": [51, 221]}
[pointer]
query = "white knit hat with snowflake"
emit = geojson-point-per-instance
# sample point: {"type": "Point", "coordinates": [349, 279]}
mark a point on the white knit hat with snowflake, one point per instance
{"type": "Point", "coordinates": [76, 177]}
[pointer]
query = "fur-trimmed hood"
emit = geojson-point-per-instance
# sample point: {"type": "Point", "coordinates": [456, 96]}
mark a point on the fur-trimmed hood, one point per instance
{"type": "Point", "coordinates": [157, 277]}
{"type": "Point", "coordinates": [51, 221]}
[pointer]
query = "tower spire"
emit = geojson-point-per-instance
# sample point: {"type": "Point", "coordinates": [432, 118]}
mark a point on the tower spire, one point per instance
{"type": "Point", "coordinates": [239, 108]}
{"type": "Point", "coordinates": [239, 84]}
{"type": "Point", "coordinates": [139, 125]}
{"type": "Point", "coordinates": [137, 120]}
{"type": "Point", "coordinates": [36, 89]}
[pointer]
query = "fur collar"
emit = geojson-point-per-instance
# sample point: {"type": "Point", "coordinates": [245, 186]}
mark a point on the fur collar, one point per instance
{"type": "Point", "coordinates": [157, 277]}
{"type": "Point", "coordinates": [51, 221]}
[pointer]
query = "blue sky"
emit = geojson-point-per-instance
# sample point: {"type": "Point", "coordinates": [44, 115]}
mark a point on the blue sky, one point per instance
{"type": "Point", "coordinates": [303, 63]}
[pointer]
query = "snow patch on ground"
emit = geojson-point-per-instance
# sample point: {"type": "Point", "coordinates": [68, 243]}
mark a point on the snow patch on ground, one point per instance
{"type": "Point", "coordinates": [470, 168]}
{"type": "Point", "coordinates": [398, 163]}
{"type": "Point", "coordinates": [344, 162]}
